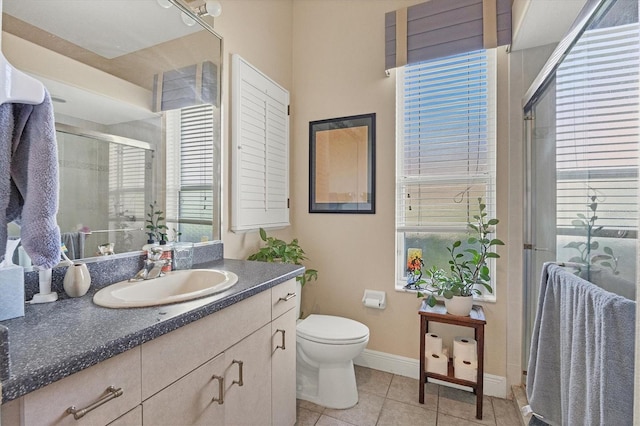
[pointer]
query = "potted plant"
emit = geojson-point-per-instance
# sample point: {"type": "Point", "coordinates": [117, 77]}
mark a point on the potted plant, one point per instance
{"type": "Point", "coordinates": [156, 230]}
{"type": "Point", "coordinates": [276, 250]}
{"type": "Point", "coordinates": [468, 267]}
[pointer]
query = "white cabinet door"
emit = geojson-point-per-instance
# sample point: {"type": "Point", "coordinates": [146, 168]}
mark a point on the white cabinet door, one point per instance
{"type": "Point", "coordinates": [249, 362]}
{"type": "Point", "coordinates": [132, 418]}
{"type": "Point", "coordinates": [192, 400]}
{"type": "Point", "coordinates": [260, 149]}
{"type": "Point", "coordinates": [169, 357]}
{"type": "Point", "coordinates": [283, 369]}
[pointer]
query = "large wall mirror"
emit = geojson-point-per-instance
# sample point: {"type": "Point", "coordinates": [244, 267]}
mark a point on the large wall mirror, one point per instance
{"type": "Point", "coordinates": [135, 87]}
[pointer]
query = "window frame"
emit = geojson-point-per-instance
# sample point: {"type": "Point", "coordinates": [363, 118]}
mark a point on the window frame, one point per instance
{"type": "Point", "coordinates": [489, 180]}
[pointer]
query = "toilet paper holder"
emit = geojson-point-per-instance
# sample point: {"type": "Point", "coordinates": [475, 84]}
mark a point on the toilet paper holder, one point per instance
{"type": "Point", "coordinates": [374, 299]}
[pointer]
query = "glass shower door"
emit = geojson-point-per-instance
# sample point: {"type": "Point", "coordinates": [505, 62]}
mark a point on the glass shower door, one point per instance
{"type": "Point", "coordinates": [540, 234]}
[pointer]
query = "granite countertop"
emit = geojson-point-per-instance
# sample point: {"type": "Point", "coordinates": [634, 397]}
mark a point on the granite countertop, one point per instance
{"type": "Point", "coordinates": [55, 340]}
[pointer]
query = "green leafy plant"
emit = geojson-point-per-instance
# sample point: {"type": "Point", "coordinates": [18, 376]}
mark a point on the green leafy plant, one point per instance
{"type": "Point", "coordinates": [156, 229]}
{"type": "Point", "coordinates": [276, 250]}
{"type": "Point", "coordinates": [587, 249]}
{"type": "Point", "coordinates": [468, 267]}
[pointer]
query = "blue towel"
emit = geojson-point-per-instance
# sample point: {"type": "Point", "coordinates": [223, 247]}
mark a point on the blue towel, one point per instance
{"type": "Point", "coordinates": [74, 241]}
{"type": "Point", "coordinates": [582, 353]}
{"type": "Point", "coordinates": [29, 179]}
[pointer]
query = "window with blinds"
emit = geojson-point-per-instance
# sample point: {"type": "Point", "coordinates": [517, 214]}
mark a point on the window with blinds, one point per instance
{"type": "Point", "coordinates": [597, 129]}
{"type": "Point", "coordinates": [190, 200]}
{"type": "Point", "coordinates": [597, 133]}
{"type": "Point", "coordinates": [446, 152]}
{"type": "Point", "coordinates": [129, 169]}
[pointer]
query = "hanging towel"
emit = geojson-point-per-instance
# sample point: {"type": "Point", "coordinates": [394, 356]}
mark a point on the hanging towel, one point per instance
{"type": "Point", "coordinates": [582, 353]}
{"type": "Point", "coordinates": [29, 179]}
{"type": "Point", "coordinates": [74, 241]}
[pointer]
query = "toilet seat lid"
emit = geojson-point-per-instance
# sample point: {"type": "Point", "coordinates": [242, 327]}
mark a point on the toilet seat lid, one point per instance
{"type": "Point", "coordinates": [332, 329]}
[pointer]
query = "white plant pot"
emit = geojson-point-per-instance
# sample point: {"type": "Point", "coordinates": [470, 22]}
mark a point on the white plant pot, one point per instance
{"type": "Point", "coordinates": [459, 305]}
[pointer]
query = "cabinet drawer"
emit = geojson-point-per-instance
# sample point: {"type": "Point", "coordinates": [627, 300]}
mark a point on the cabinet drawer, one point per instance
{"type": "Point", "coordinates": [283, 298]}
{"type": "Point", "coordinates": [170, 357]}
{"type": "Point", "coordinates": [48, 406]}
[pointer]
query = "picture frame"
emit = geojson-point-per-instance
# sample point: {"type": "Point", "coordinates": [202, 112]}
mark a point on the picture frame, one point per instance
{"type": "Point", "coordinates": [342, 165]}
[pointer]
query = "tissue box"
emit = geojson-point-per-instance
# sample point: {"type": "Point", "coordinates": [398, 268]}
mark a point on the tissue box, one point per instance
{"type": "Point", "coordinates": [12, 291]}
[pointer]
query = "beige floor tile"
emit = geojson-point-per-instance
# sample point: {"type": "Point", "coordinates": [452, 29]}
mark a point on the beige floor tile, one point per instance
{"type": "Point", "coordinates": [506, 412]}
{"type": "Point", "coordinates": [445, 420]}
{"type": "Point", "coordinates": [300, 403]}
{"type": "Point", "coordinates": [395, 413]}
{"type": "Point", "coordinates": [405, 389]}
{"type": "Point", "coordinates": [444, 405]}
{"type": "Point", "coordinates": [330, 421]}
{"type": "Point", "coordinates": [372, 381]}
{"type": "Point", "coordinates": [462, 404]}
{"type": "Point", "coordinates": [364, 413]}
{"type": "Point", "coordinates": [306, 417]}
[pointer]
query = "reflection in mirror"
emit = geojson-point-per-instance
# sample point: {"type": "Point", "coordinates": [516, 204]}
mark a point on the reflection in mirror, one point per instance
{"type": "Point", "coordinates": [137, 107]}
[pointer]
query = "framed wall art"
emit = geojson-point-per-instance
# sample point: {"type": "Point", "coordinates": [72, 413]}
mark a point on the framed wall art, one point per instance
{"type": "Point", "coordinates": [342, 164]}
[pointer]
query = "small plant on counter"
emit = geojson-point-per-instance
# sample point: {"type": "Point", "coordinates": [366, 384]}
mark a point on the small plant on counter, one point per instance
{"type": "Point", "coordinates": [156, 229]}
{"type": "Point", "coordinates": [276, 250]}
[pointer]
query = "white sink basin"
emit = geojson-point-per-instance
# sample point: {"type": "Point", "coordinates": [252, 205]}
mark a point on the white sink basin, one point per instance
{"type": "Point", "coordinates": [176, 286]}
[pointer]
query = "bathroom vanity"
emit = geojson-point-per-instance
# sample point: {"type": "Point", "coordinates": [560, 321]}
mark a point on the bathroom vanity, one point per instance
{"type": "Point", "coordinates": [223, 359]}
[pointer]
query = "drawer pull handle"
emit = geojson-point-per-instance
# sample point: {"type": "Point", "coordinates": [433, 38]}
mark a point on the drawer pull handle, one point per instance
{"type": "Point", "coordinates": [288, 297]}
{"type": "Point", "coordinates": [283, 345]}
{"type": "Point", "coordinates": [112, 393]}
{"type": "Point", "coordinates": [220, 398]}
{"type": "Point", "coordinates": [238, 382]}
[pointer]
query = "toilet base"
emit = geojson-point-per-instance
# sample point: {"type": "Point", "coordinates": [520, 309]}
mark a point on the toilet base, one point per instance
{"type": "Point", "coordinates": [332, 386]}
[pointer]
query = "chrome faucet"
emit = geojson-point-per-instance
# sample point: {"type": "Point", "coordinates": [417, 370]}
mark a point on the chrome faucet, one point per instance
{"type": "Point", "coordinates": [152, 266]}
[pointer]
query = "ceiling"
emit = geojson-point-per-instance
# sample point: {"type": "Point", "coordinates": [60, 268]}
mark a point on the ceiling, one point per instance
{"type": "Point", "coordinates": [542, 22]}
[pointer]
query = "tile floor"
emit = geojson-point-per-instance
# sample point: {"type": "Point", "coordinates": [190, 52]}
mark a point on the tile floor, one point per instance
{"type": "Point", "coordinates": [389, 399]}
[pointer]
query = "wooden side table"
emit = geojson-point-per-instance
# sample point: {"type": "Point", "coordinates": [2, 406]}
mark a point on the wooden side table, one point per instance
{"type": "Point", "coordinates": [477, 321]}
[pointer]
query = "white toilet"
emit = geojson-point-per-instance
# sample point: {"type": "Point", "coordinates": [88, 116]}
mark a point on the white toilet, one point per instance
{"type": "Point", "coordinates": [326, 346]}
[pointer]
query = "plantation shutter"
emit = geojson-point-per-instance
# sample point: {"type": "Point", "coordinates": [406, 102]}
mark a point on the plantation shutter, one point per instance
{"type": "Point", "coordinates": [597, 132]}
{"type": "Point", "coordinates": [447, 154]}
{"type": "Point", "coordinates": [260, 150]}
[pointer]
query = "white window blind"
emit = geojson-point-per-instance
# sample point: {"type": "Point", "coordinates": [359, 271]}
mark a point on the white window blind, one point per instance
{"type": "Point", "coordinates": [597, 132]}
{"type": "Point", "coordinates": [446, 141]}
{"type": "Point", "coordinates": [260, 146]}
{"type": "Point", "coordinates": [446, 154]}
{"type": "Point", "coordinates": [128, 168]}
{"type": "Point", "coordinates": [189, 195]}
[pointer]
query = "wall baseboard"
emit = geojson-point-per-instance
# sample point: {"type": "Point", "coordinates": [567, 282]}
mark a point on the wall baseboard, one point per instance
{"type": "Point", "coordinates": [409, 367]}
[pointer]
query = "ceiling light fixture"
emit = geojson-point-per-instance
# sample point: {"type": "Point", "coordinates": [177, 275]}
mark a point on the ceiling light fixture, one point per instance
{"type": "Point", "coordinates": [188, 20]}
{"type": "Point", "coordinates": [211, 8]}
